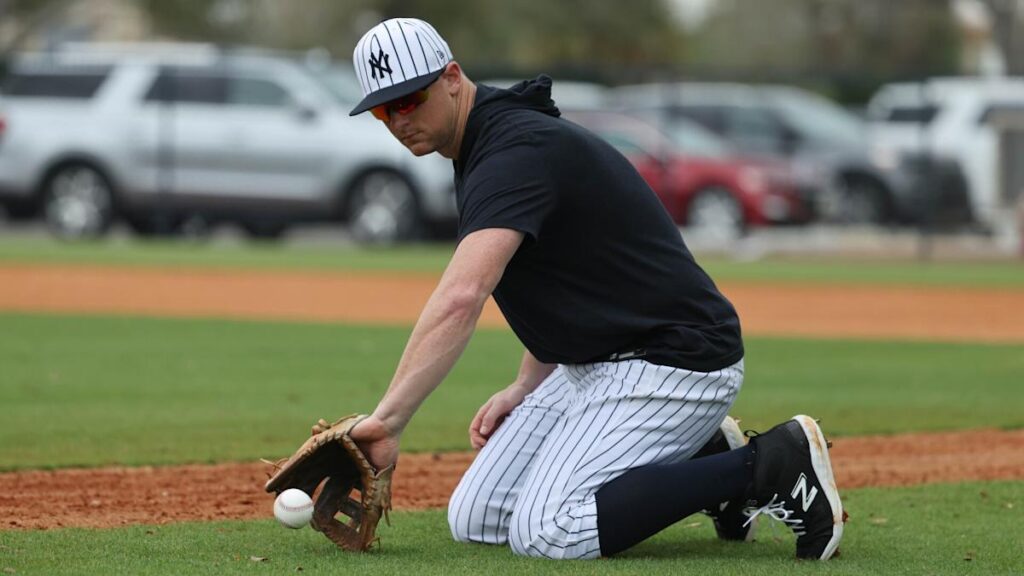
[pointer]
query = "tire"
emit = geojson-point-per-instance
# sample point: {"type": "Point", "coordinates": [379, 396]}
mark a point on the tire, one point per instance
{"type": "Point", "coordinates": [20, 211]}
{"type": "Point", "coordinates": [264, 229]}
{"type": "Point", "coordinates": [383, 209]}
{"type": "Point", "coordinates": [153, 226]}
{"type": "Point", "coordinates": [862, 201]}
{"type": "Point", "coordinates": [716, 213]}
{"type": "Point", "coordinates": [78, 202]}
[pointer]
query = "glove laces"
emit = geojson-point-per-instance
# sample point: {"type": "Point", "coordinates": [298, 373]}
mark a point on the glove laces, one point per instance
{"type": "Point", "coordinates": [777, 511]}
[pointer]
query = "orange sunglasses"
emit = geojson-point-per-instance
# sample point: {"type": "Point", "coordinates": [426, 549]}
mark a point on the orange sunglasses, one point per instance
{"type": "Point", "coordinates": [404, 105]}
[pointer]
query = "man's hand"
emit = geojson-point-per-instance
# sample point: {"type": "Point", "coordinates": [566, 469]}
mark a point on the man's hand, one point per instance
{"type": "Point", "coordinates": [493, 413]}
{"type": "Point", "coordinates": [376, 441]}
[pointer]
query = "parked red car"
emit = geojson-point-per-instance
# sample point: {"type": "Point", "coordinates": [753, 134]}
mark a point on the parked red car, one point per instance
{"type": "Point", "coordinates": [696, 176]}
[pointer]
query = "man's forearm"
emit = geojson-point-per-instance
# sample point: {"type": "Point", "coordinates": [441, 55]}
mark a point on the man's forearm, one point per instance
{"type": "Point", "coordinates": [532, 372]}
{"type": "Point", "coordinates": [439, 338]}
{"type": "Point", "coordinates": [447, 322]}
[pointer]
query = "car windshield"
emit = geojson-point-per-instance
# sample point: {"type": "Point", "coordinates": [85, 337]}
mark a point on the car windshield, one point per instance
{"type": "Point", "coordinates": [817, 119]}
{"type": "Point", "coordinates": [694, 140]}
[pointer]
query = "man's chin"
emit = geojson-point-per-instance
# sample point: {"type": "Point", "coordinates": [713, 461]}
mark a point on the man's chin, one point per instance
{"type": "Point", "coordinates": [419, 148]}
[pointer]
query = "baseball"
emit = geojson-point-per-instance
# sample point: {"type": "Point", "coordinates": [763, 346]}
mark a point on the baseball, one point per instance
{"type": "Point", "coordinates": [293, 508]}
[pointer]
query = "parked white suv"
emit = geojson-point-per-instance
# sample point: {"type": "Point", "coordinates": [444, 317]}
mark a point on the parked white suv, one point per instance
{"type": "Point", "coordinates": [160, 135]}
{"type": "Point", "coordinates": [944, 118]}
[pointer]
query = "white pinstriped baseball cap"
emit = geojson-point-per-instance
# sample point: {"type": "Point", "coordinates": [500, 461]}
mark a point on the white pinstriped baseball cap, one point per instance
{"type": "Point", "coordinates": [397, 57]}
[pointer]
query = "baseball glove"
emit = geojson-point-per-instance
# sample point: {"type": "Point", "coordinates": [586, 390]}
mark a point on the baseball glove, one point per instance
{"type": "Point", "coordinates": [331, 454]}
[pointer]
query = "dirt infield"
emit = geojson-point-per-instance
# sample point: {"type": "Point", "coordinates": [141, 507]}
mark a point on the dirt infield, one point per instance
{"type": "Point", "coordinates": [119, 496]}
{"type": "Point", "coordinates": [146, 495]}
{"type": "Point", "coordinates": [927, 313]}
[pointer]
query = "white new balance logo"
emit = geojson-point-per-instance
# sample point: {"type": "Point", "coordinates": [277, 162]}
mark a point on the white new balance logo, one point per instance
{"type": "Point", "coordinates": [806, 497]}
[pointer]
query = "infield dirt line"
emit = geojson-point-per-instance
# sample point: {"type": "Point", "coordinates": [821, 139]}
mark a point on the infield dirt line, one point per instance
{"type": "Point", "coordinates": [774, 309]}
{"type": "Point", "coordinates": [105, 497]}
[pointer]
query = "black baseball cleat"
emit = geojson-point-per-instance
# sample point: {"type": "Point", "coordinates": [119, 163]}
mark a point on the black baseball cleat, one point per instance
{"type": "Point", "coordinates": [793, 483]}
{"type": "Point", "coordinates": [730, 521]}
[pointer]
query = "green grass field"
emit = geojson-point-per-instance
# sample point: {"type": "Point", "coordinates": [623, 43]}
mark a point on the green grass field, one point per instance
{"type": "Point", "coordinates": [895, 531]}
{"type": "Point", "coordinates": [86, 391]}
{"type": "Point", "coordinates": [433, 258]}
{"type": "Point", "coordinates": [92, 391]}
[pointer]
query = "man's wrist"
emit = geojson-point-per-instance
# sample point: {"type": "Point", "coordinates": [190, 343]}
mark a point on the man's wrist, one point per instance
{"type": "Point", "coordinates": [521, 386]}
{"type": "Point", "coordinates": [392, 423]}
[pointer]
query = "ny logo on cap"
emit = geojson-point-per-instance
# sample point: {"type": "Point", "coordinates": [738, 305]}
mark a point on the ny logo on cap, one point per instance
{"type": "Point", "coordinates": [376, 64]}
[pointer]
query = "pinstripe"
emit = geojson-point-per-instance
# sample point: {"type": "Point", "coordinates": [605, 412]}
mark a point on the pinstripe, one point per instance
{"type": "Point", "coordinates": [551, 453]}
{"type": "Point", "coordinates": [395, 50]}
{"type": "Point", "coordinates": [683, 378]}
{"type": "Point", "coordinates": [556, 484]}
{"type": "Point", "coordinates": [647, 415]}
{"type": "Point", "coordinates": [537, 405]}
{"type": "Point", "coordinates": [633, 463]}
{"type": "Point", "coordinates": [433, 47]}
{"type": "Point", "coordinates": [419, 40]}
{"type": "Point", "coordinates": [706, 425]}
{"type": "Point", "coordinates": [711, 424]}
{"type": "Point", "coordinates": [401, 29]}
{"type": "Point", "coordinates": [603, 470]}
{"type": "Point", "coordinates": [505, 505]}
{"type": "Point", "coordinates": [502, 431]}
{"type": "Point", "coordinates": [536, 484]}
{"type": "Point", "coordinates": [444, 45]}
{"type": "Point", "coordinates": [522, 469]}
{"type": "Point", "coordinates": [487, 470]}
{"type": "Point", "coordinates": [438, 42]}
{"type": "Point", "coordinates": [548, 454]}
{"type": "Point", "coordinates": [361, 70]}
{"type": "Point", "coordinates": [665, 433]}
{"type": "Point", "coordinates": [372, 75]}
{"type": "Point", "coordinates": [560, 547]}
{"type": "Point", "coordinates": [615, 376]}
{"type": "Point", "coordinates": [595, 438]}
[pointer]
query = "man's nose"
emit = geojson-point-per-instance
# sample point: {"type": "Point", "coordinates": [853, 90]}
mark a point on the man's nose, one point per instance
{"type": "Point", "coordinates": [397, 120]}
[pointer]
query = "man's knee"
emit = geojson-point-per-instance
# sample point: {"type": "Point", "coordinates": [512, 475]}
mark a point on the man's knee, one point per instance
{"type": "Point", "coordinates": [468, 522]}
{"type": "Point", "coordinates": [556, 538]}
{"type": "Point", "coordinates": [459, 521]}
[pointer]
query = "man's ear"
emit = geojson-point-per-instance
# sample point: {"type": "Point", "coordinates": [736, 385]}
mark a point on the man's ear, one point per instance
{"type": "Point", "coordinates": [452, 77]}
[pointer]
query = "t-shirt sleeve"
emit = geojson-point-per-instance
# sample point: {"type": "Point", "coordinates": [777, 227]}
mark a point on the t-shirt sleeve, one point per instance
{"type": "Point", "coordinates": [511, 188]}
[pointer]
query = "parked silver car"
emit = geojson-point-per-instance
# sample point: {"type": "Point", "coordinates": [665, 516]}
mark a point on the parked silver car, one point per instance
{"type": "Point", "coordinates": [161, 135]}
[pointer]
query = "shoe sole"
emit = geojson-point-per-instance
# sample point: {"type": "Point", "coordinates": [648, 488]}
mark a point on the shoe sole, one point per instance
{"type": "Point", "coordinates": [823, 470]}
{"type": "Point", "coordinates": [730, 428]}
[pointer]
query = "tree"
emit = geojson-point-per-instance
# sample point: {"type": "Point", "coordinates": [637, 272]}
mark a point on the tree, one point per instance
{"type": "Point", "coordinates": [30, 15]}
{"type": "Point", "coordinates": [1006, 19]}
{"type": "Point", "coordinates": [851, 44]}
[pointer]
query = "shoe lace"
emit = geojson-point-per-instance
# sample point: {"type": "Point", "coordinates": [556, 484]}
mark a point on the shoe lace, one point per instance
{"type": "Point", "coordinates": [778, 511]}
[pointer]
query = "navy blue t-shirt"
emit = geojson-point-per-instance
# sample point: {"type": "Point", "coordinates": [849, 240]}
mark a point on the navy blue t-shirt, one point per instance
{"type": "Point", "coordinates": [602, 269]}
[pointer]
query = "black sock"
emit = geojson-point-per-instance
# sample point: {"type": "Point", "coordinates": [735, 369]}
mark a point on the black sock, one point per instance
{"type": "Point", "coordinates": [644, 501]}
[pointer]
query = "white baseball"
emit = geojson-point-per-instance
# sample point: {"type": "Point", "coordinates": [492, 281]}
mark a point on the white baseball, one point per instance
{"type": "Point", "coordinates": [293, 508]}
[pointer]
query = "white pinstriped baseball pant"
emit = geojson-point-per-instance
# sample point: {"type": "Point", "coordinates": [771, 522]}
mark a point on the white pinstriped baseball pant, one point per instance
{"type": "Point", "coordinates": [533, 485]}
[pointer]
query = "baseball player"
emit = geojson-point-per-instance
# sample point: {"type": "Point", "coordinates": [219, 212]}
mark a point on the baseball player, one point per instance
{"type": "Point", "coordinates": [632, 355]}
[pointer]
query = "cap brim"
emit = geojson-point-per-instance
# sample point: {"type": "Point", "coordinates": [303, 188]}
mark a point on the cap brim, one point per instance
{"type": "Point", "coordinates": [390, 93]}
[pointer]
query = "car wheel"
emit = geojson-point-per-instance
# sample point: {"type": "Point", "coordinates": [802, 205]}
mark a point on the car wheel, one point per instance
{"type": "Point", "coordinates": [383, 209]}
{"type": "Point", "coordinates": [153, 226]}
{"type": "Point", "coordinates": [264, 229]}
{"type": "Point", "coordinates": [78, 202]}
{"type": "Point", "coordinates": [862, 202]}
{"type": "Point", "coordinates": [716, 213]}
